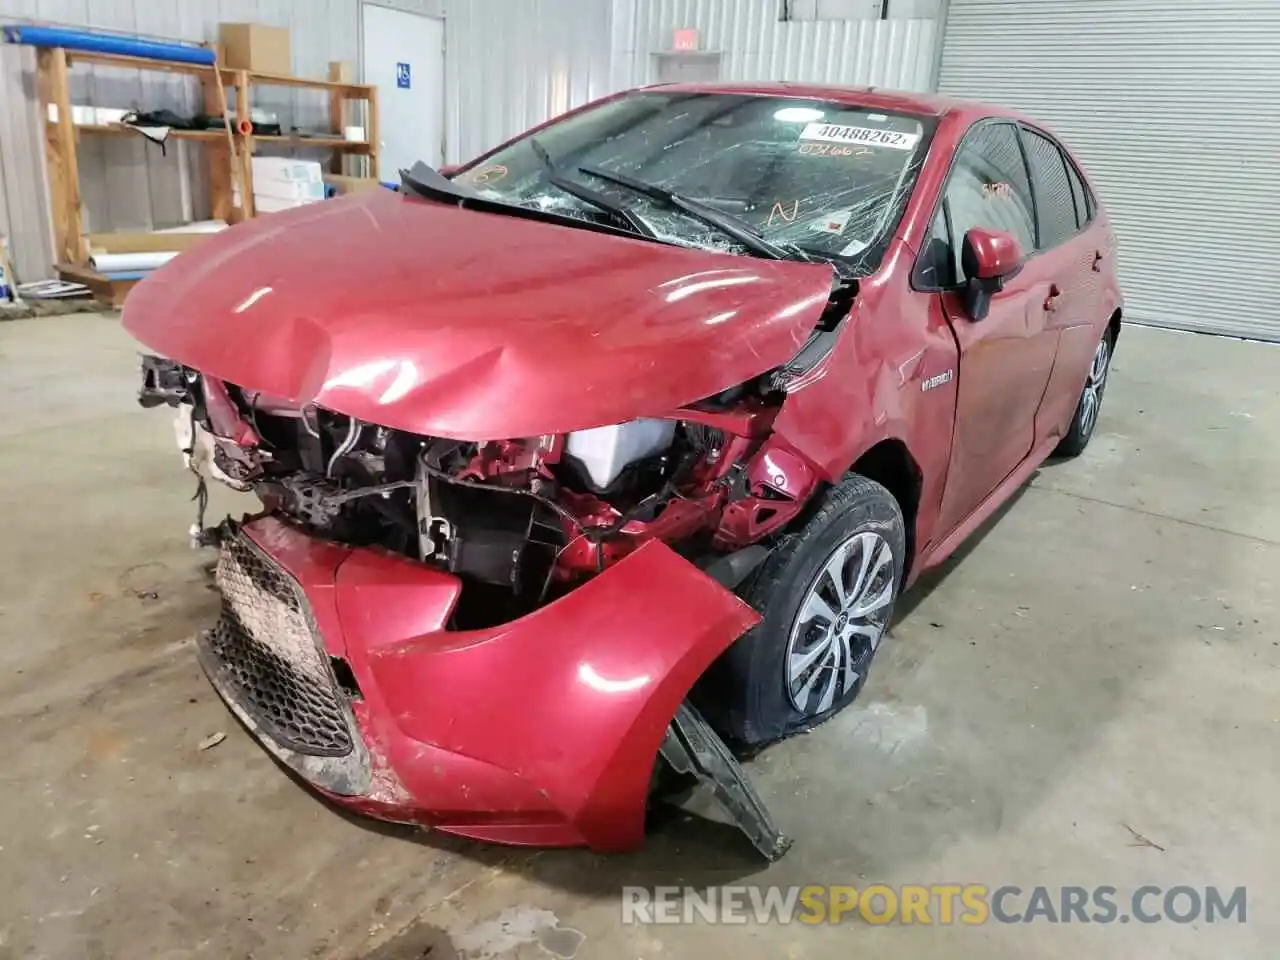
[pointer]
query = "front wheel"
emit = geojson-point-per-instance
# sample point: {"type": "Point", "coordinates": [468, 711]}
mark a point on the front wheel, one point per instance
{"type": "Point", "coordinates": [826, 594]}
{"type": "Point", "coordinates": [1086, 418]}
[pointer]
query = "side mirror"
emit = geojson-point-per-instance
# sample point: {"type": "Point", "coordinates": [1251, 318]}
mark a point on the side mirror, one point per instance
{"type": "Point", "coordinates": [988, 258]}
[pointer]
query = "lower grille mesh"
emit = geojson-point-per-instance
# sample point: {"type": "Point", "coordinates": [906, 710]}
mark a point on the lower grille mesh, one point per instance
{"type": "Point", "coordinates": [269, 657]}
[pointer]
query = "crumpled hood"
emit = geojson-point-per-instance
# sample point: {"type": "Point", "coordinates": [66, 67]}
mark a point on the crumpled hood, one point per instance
{"type": "Point", "coordinates": [436, 320]}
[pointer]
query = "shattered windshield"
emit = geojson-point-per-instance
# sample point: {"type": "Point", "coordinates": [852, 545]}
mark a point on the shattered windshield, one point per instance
{"type": "Point", "coordinates": [816, 180]}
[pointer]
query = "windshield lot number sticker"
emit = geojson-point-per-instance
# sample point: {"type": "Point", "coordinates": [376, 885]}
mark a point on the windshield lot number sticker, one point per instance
{"type": "Point", "coordinates": [860, 136]}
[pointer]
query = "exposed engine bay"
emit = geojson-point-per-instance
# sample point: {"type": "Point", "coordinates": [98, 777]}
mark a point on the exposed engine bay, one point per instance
{"type": "Point", "coordinates": [520, 521]}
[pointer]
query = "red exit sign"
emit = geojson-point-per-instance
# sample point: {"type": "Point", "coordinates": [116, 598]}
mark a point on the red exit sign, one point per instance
{"type": "Point", "coordinates": [684, 39]}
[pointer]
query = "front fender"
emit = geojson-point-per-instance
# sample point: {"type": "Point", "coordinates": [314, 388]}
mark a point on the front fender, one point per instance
{"type": "Point", "coordinates": [893, 375]}
{"type": "Point", "coordinates": [572, 701]}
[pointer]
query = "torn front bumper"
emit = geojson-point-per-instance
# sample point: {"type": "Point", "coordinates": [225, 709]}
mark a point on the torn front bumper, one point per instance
{"type": "Point", "coordinates": [541, 731]}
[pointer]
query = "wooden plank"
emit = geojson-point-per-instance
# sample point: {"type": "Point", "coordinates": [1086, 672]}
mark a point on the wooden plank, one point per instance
{"type": "Point", "coordinates": [355, 91]}
{"type": "Point", "coordinates": [237, 146]}
{"type": "Point", "coordinates": [64, 168]}
{"type": "Point", "coordinates": [228, 159]}
{"type": "Point", "coordinates": [209, 92]}
{"type": "Point", "coordinates": [327, 143]}
{"type": "Point", "coordinates": [221, 200]}
{"type": "Point", "coordinates": [373, 133]}
{"type": "Point", "coordinates": [142, 242]}
{"type": "Point", "coordinates": [55, 170]}
{"type": "Point", "coordinates": [135, 63]}
{"type": "Point", "coordinates": [244, 111]}
{"type": "Point", "coordinates": [103, 289]}
{"type": "Point", "coordinates": [339, 72]}
{"type": "Point", "coordinates": [221, 194]}
{"type": "Point", "coordinates": [121, 128]}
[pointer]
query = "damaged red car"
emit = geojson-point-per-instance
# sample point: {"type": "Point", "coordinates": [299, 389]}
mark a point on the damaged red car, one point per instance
{"type": "Point", "coordinates": [619, 443]}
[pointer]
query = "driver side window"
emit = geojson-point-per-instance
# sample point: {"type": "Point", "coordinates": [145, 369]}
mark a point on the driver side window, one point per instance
{"type": "Point", "coordinates": [990, 188]}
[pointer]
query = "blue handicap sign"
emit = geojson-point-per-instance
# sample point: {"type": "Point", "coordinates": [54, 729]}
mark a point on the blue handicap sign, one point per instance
{"type": "Point", "coordinates": [403, 76]}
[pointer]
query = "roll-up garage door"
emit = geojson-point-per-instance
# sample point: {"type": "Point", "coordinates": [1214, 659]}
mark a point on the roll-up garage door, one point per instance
{"type": "Point", "coordinates": [1174, 109]}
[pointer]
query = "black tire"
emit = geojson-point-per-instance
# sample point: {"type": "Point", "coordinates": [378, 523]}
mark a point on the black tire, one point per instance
{"type": "Point", "coordinates": [1085, 419]}
{"type": "Point", "coordinates": [749, 685]}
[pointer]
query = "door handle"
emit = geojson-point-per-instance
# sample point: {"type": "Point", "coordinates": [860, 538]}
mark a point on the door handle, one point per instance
{"type": "Point", "coordinates": [1098, 257]}
{"type": "Point", "coordinates": [1054, 300]}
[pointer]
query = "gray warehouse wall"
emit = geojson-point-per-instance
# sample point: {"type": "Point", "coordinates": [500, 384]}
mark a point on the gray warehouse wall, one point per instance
{"type": "Point", "coordinates": [508, 63]}
{"type": "Point", "coordinates": [513, 63]}
{"type": "Point", "coordinates": [856, 48]}
{"type": "Point", "coordinates": [125, 182]}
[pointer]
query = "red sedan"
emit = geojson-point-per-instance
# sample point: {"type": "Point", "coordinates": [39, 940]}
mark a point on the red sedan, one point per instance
{"type": "Point", "coordinates": [620, 441]}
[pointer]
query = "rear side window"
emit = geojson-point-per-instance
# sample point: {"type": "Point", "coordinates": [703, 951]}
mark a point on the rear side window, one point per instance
{"type": "Point", "coordinates": [990, 188]}
{"type": "Point", "coordinates": [1079, 194]}
{"type": "Point", "coordinates": [1055, 205]}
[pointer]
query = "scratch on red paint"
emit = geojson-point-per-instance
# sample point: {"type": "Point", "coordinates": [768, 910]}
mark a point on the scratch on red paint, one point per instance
{"type": "Point", "coordinates": [385, 786]}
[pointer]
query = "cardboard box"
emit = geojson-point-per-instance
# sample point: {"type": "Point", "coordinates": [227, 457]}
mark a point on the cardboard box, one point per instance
{"type": "Point", "coordinates": [274, 204]}
{"type": "Point", "coordinates": [285, 170]}
{"type": "Point", "coordinates": [279, 190]}
{"type": "Point", "coordinates": [288, 190]}
{"type": "Point", "coordinates": [256, 46]}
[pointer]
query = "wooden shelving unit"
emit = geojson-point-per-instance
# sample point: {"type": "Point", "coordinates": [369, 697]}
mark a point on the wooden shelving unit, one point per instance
{"type": "Point", "coordinates": [342, 94]}
{"type": "Point", "coordinates": [127, 130]}
{"type": "Point", "coordinates": [62, 137]}
{"type": "Point", "coordinates": [230, 170]}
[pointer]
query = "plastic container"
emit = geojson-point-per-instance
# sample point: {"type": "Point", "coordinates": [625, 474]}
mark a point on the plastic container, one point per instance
{"type": "Point", "coordinates": [284, 170]}
{"type": "Point", "coordinates": [605, 451]}
{"type": "Point", "coordinates": [38, 35]}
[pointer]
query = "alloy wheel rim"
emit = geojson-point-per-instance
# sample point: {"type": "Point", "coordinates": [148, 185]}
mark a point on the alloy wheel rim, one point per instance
{"type": "Point", "coordinates": [841, 621]}
{"type": "Point", "coordinates": [1092, 399]}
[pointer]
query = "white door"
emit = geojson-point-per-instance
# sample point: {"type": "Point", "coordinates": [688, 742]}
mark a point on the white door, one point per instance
{"type": "Point", "coordinates": [403, 55]}
{"type": "Point", "coordinates": [1171, 107]}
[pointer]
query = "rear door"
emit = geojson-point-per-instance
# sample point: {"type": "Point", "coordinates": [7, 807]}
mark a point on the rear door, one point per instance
{"type": "Point", "coordinates": [1074, 249]}
{"type": "Point", "coordinates": [1006, 358]}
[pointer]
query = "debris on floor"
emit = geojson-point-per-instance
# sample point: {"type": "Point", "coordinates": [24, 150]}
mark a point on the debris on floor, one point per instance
{"type": "Point", "coordinates": [1140, 841]}
{"type": "Point", "coordinates": [211, 741]}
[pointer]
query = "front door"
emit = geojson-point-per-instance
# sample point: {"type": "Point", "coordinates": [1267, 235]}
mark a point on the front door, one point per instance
{"type": "Point", "coordinates": [403, 56]}
{"type": "Point", "coordinates": [1005, 358]}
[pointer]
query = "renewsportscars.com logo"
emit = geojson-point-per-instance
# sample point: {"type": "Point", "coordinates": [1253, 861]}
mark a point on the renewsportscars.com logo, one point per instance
{"type": "Point", "coordinates": [942, 904]}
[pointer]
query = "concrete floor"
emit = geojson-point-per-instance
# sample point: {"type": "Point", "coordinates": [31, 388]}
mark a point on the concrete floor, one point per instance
{"type": "Point", "coordinates": [1104, 658]}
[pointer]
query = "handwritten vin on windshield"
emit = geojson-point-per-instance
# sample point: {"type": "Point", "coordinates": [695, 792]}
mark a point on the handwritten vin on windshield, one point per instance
{"type": "Point", "coordinates": [836, 133]}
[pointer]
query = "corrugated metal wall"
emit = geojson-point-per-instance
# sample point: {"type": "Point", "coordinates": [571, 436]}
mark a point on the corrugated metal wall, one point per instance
{"type": "Point", "coordinates": [24, 201]}
{"type": "Point", "coordinates": [509, 64]}
{"type": "Point", "coordinates": [513, 63]}
{"type": "Point", "coordinates": [756, 45]}
{"type": "Point", "coordinates": [125, 182]}
{"type": "Point", "coordinates": [1172, 110]}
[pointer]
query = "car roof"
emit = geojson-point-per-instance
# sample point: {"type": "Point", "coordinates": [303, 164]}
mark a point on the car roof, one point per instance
{"type": "Point", "coordinates": [932, 104]}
